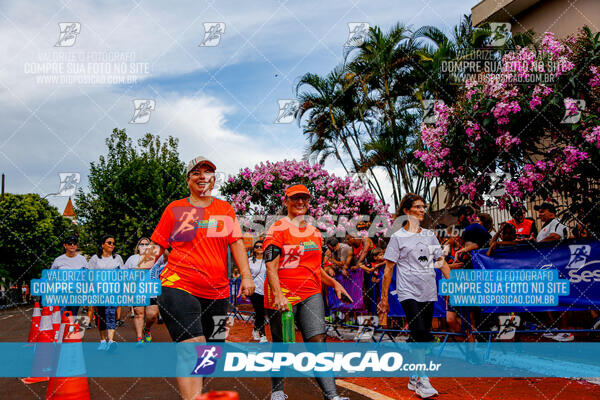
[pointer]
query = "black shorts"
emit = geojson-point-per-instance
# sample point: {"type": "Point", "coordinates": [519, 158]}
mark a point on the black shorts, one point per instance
{"type": "Point", "coordinates": [187, 316]}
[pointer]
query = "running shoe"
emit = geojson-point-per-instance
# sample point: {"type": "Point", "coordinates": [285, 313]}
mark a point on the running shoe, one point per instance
{"type": "Point", "coordinates": [548, 335]}
{"type": "Point", "coordinates": [139, 342]}
{"type": "Point", "coordinates": [278, 395]}
{"type": "Point", "coordinates": [412, 383]}
{"type": "Point", "coordinates": [564, 337]}
{"type": "Point", "coordinates": [263, 339]}
{"type": "Point", "coordinates": [111, 346]}
{"type": "Point", "coordinates": [147, 336]}
{"type": "Point", "coordinates": [424, 388]}
{"type": "Point", "coordinates": [103, 345]}
{"type": "Point", "coordinates": [339, 398]}
{"type": "Point", "coordinates": [255, 334]}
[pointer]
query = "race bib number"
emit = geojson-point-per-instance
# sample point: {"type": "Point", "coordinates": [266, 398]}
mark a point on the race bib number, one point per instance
{"type": "Point", "coordinates": [291, 256]}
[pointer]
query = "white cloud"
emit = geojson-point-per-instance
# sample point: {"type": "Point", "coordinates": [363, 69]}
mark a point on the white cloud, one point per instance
{"type": "Point", "coordinates": [71, 123]}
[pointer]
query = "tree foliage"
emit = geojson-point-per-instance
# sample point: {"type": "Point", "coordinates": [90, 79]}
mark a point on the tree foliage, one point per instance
{"type": "Point", "coordinates": [129, 189]}
{"type": "Point", "coordinates": [259, 193]}
{"type": "Point", "coordinates": [533, 133]}
{"type": "Point", "coordinates": [31, 236]}
{"type": "Point", "coordinates": [366, 112]}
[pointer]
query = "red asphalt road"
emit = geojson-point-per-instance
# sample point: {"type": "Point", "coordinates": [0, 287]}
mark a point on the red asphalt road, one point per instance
{"type": "Point", "coordinates": [14, 327]}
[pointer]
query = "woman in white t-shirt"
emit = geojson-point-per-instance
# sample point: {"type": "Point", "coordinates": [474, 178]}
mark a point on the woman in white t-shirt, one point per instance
{"type": "Point", "coordinates": [144, 316]}
{"type": "Point", "coordinates": [415, 252]}
{"type": "Point", "coordinates": [106, 259]}
{"type": "Point", "coordinates": [259, 272]}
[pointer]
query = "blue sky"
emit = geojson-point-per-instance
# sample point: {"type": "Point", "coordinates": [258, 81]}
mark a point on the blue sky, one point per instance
{"type": "Point", "coordinates": [219, 101]}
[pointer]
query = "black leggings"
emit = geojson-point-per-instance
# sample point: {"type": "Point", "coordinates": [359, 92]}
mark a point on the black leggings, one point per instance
{"type": "Point", "coordinates": [419, 316]}
{"type": "Point", "coordinates": [258, 301]}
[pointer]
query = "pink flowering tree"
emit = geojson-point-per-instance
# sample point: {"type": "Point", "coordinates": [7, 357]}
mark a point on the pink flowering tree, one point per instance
{"type": "Point", "coordinates": [533, 133]}
{"type": "Point", "coordinates": [337, 203]}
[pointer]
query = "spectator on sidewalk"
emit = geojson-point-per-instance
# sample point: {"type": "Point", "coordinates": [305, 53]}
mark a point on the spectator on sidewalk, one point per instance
{"type": "Point", "coordinates": [361, 246]}
{"type": "Point", "coordinates": [552, 228]}
{"type": "Point", "coordinates": [524, 226]}
{"type": "Point", "coordinates": [342, 257]}
{"type": "Point", "coordinates": [506, 236]}
{"type": "Point", "coordinates": [581, 229]}
{"type": "Point", "coordinates": [475, 236]}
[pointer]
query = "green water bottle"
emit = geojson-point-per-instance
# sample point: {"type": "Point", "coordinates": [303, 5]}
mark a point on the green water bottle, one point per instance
{"type": "Point", "coordinates": [287, 323]}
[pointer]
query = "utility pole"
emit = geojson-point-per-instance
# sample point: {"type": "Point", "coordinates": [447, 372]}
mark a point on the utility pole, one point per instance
{"type": "Point", "coordinates": [2, 195]}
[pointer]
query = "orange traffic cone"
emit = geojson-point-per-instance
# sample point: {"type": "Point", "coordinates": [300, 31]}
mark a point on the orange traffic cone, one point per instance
{"type": "Point", "coordinates": [72, 388]}
{"type": "Point", "coordinates": [42, 360]}
{"type": "Point", "coordinates": [67, 319]}
{"type": "Point", "coordinates": [35, 322]}
{"type": "Point", "coordinates": [56, 318]}
{"type": "Point", "coordinates": [212, 395]}
{"type": "Point", "coordinates": [46, 333]}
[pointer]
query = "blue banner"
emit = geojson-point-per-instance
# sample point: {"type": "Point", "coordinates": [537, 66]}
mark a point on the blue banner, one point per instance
{"type": "Point", "coordinates": [577, 261]}
{"type": "Point", "coordinates": [95, 287]}
{"type": "Point", "coordinates": [302, 359]}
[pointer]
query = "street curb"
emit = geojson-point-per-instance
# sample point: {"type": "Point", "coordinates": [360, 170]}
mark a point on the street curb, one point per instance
{"type": "Point", "coordinates": [361, 390]}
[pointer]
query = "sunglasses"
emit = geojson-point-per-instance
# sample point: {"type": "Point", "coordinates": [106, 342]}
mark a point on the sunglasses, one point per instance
{"type": "Point", "coordinates": [72, 243]}
{"type": "Point", "coordinates": [144, 244]}
{"type": "Point", "coordinates": [110, 243]}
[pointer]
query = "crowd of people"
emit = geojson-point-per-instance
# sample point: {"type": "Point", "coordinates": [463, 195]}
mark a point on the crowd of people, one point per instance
{"type": "Point", "coordinates": [290, 267]}
{"type": "Point", "coordinates": [108, 318]}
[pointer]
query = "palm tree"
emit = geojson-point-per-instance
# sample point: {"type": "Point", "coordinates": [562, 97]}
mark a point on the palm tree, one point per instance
{"type": "Point", "coordinates": [383, 72]}
{"type": "Point", "coordinates": [329, 108]}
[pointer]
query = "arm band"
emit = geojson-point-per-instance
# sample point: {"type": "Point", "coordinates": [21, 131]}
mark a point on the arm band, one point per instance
{"type": "Point", "coordinates": [272, 252]}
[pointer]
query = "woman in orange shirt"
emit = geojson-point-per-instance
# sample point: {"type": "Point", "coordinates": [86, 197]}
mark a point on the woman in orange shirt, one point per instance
{"type": "Point", "coordinates": [195, 287]}
{"type": "Point", "coordinates": [294, 275]}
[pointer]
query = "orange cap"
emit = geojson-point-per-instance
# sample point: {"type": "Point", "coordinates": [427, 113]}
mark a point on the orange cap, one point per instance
{"type": "Point", "coordinates": [296, 189]}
